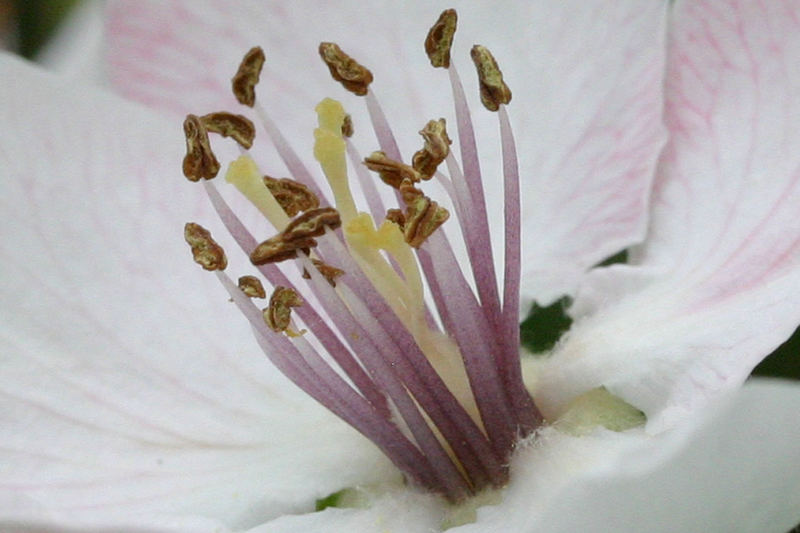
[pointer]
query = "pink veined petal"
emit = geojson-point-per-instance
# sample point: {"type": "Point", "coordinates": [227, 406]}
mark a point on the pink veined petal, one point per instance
{"type": "Point", "coordinates": [131, 392]}
{"type": "Point", "coordinates": [592, 98]}
{"type": "Point", "coordinates": [716, 287]}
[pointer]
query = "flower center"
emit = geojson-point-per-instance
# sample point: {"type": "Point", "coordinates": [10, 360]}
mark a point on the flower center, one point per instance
{"type": "Point", "coordinates": [379, 321]}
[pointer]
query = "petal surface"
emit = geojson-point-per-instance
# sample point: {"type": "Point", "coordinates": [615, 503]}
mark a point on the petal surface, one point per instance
{"type": "Point", "coordinates": [131, 392]}
{"type": "Point", "coordinates": [588, 114]}
{"type": "Point", "coordinates": [592, 102]}
{"type": "Point", "coordinates": [736, 468]}
{"type": "Point", "coordinates": [716, 287]}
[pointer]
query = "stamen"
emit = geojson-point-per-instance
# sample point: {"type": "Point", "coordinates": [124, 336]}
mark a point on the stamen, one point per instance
{"type": "Point", "coordinates": [436, 149]}
{"type": "Point", "coordinates": [292, 196]}
{"type": "Point", "coordinates": [396, 216]}
{"type": "Point", "coordinates": [252, 287]}
{"type": "Point", "coordinates": [440, 38]}
{"type": "Point", "coordinates": [278, 316]}
{"type": "Point", "coordinates": [423, 216]}
{"type": "Point", "coordinates": [344, 69]}
{"type": "Point", "coordinates": [199, 161]}
{"type": "Point", "coordinates": [239, 127]}
{"type": "Point", "coordinates": [329, 272]}
{"type": "Point", "coordinates": [205, 250]}
{"type": "Point", "coordinates": [494, 90]}
{"type": "Point", "coordinates": [392, 172]}
{"type": "Point", "coordinates": [441, 394]}
{"type": "Point", "coordinates": [277, 249]}
{"type": "Point", "coordinates": [347, 126]}
{"type": "Point", "coordinates": [246, 78]}
{"type": "Point", "coordinates": [312, 224]}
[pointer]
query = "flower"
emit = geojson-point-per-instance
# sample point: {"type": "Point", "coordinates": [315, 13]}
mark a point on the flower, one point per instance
{"type": "Point", "coordinates": [125, 410]}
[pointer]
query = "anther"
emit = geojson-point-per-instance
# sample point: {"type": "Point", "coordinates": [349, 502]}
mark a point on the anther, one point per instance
{"type": "Point", "coordinates": [423, 216]}
{"type": "Point", "coordinates": [199, 161]}
{"type": "Point", "coordinates": [277, 249]}
{"type": "Point", "coordinates": [437, 146]}
{"type": "Point", "coordinates": [292, 196]}
{"type": "Point", "coordinates": [494, 90]}
{"type": "Point", "coordinates": [205, 251]}
{"type": "Point", "coordinates": [278, 315]}
{"type": "Point", "coordinates": [238, 127]}
{"type": "Point", "coordinates": [312, 224]}
{"type": "Point", "coordinates": [346, 70]}
{"type": "Point", "coordinates": [244, 81]}
{"type": "Point", "coordinates": [397, 216]}
{"type": "Point", "coordinates": [440, 38]}
{"type": "Point", "coordinates": [328, 272]}
{"type": "Point", "coordinates": [347, 126]}
{"type": "Point", "coordinates": [392, 172]}
{"type": "Point", "coordinates": [252, 287]}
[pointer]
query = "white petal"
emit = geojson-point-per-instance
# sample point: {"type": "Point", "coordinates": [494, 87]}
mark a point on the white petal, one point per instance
{"type": "Point", "coordinates": [737, 469]}
{"type": "Point", "coordinates": [717, 285]}
{"type": "Point", "coordinates": [129, 386]}
{"type": "Point", "coordinates": [592, 132]}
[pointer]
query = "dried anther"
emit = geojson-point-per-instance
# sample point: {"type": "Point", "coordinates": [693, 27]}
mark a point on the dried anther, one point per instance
{"type": "Point", "coordinates": [199, 161]}
{"type": "Point", "coordinates": [344, 69]}
{"type": "Point", "coordinates": [423, 216]}
{"type": "Point", "coordinates": [397, 216]}
{"type": "Point", "coordinates": [392, 172]}
{"type": "Point", "coordinates": [494, 90]}
{"type": "Point", "coordinates": [277, 249]}
{"type": "Point", "coordinates": [440, 38]}
{"type": "Point", "coordinates": [292, 196]}
{"type": "Point", "coordinates": [328, 272]}
{"type": "Point", "coordinates": [245, 80]}
{"type": "Point", "coordinates": [347, 126]}
{"type": "Point", "coordinates": [312, 224]}
{"type": "Point", "coordinates": [239, 127]}
{"type": "Point", "coordinates": [252, 287]}
{"type": "Point", "coordinates": [436, 149]}
{"type": "Point", "coordinates": [205, 251]}
{"type": "Point", "coordinates": [278, 315]}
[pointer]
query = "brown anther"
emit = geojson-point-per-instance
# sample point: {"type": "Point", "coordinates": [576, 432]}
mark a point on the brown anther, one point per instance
{"type": "Point", "coordinates": [423, 217]}
{"type": "Point", "coordinates": [245, 80]}
{"type": "Point", "coordinates": [312, 223]}
{"type": "Point", "coordinates": [391, 172]}
{"type": "Point", "coordinates": [278, 315]}
{"type": "Point", "coordinates": [277, 249]}
{"type": "Point", "coordinates": [344, 69]}
{"type": "Point", "coordinates": [347, 126]}
{"type": "Point", "coordinates": [409, 193]}
{"type": "Point", "coordinates": [252, 287]}
{"type": "Point", "coordinates": [205, 251]}
{"type": "Point", "coordinates": [292, 196]}
{"type": "Point", "coordinates": [199, 161]}
{"type": "Point", "coordinates": [238, 127]}
{"type": "Point", "coordinates": [494, 90]}
{"type": "Point", "coordinates": [436, 149]}
{"type": "Point", "coordinates": [397, 216]}
{"type": "Point", "coordinates": [440, 38]}
{"type": "Point", "coordinates": [329, 272]}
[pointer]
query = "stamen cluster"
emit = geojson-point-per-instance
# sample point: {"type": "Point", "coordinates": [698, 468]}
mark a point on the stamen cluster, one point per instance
{"type": "Point", "coordinates": [434, 381]}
